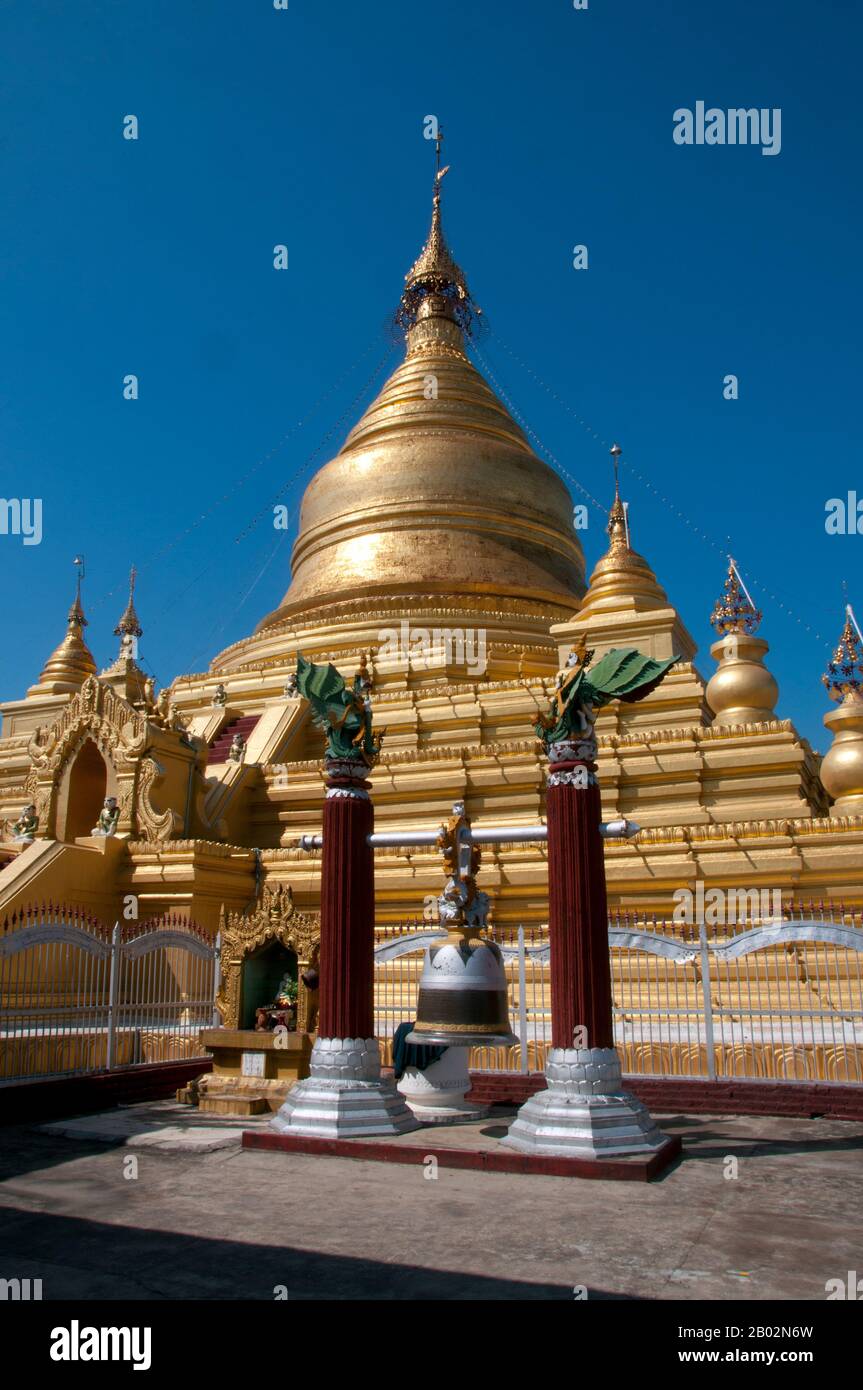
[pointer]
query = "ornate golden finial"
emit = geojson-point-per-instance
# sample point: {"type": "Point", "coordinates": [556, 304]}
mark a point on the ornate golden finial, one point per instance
{"type": "Point", "coordinates": [435, 286]}
{"type": "Point", "coordinates": [129, 623]}
{"type": "Point", "coordinates": [842, 766]}
{"type": "Point", "coordinates": [844, 674]}
{"type": "Point", "coordinates": [735, 611]}
{"type": "Point", "coordinates": [72, 662]}
{"type": "Point", "coordinates": [618, 522]}
{"type": "Point", "coordinates": [439, 172]}
{"type": "Point", "coordinates": [75, 617]}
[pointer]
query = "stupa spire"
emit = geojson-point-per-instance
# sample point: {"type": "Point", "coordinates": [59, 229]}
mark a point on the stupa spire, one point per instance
{"type": "Point", "coordinates": [621, 574]}
{"type": "Point", "coordinates": [435, 285]}
{"type": "Point", "coordinates": [129, 623]}
{"type": "Point", "coordinates": [618, 521]}
{"type": "Point", "coordinates": [842, 768]}
{"type": "Point", "coordinates": [735, 611]}
{"type": "Point", "coordinates": [72, 662]}
{"type": "Point", "coordinates": [124, 675]}
{"type": "Point", "coordinates": [844, 674]}
{"type": "Point", "coordinates": [741, 689]}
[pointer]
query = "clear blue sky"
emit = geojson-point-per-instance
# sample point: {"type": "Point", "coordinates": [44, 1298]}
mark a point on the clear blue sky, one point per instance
{"type": "Point", "coordinates": [304, 127]}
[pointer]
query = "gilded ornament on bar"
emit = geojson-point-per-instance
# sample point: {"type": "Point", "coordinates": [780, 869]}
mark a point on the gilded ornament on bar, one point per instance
{"type": "Point", "coordinates": [735, 611]}
{"type": "Point", "coordinates": [844, 674]}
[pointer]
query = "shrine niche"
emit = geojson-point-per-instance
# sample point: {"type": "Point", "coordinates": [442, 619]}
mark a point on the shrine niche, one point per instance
{"type": "Point", "coordinates": [248, 939]}
{"type": "Point", "coordinates": [103, 746]}
{"type": "Point", "coordinates": [263, 1046]}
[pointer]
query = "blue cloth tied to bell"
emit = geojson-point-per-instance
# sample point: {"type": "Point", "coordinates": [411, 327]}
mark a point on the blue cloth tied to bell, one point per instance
{"type": "Point", "coordinates": [405, 1054]}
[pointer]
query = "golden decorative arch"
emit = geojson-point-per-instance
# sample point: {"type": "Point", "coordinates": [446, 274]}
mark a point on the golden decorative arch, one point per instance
{"type": "Point", "coordinates": [123, 736]}
{"type": "Point", "coordinates": [96, 713]}
{"type": "Point", "coordinates": [274, 919]}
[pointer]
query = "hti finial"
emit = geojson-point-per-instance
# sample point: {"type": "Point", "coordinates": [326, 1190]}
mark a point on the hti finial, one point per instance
{"type": "Point", "coordinates": [618, 521]}
{"type": "Point", "coordinates": [76, 612]}
{"type": "Point", "coordinates": [844, 675]}
{"type": "Point", "coordinates": [435, 285]}
{"type": "Point", "coordinates": [615, 452]}
{"type": "Point", "coordinates": [129, 624]}
{"type": "Point", "coordinates": [735, 611]}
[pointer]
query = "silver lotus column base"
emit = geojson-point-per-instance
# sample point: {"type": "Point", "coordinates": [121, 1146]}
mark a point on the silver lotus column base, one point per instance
{"type": "Point", "coordinates": [345, 1096]}
{"type": "Point", "coordinates": [585, 1112]}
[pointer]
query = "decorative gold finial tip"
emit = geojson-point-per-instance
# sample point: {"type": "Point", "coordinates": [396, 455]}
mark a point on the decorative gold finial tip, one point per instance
{"type": "Point", "coordinates": [735, 611]}
{"type": "Point", "coordinates": [844, 674]}
{"type": "Point", "coordinates": [75, 617]}
{"type": "Point", "coordinates": [129, 622]}
{"type": "Point", "coordinates": [618, 512]}
{"type": "Point", "coordinates": [72, 662]}
{"type": "Point", "coordinates": [435, 284]}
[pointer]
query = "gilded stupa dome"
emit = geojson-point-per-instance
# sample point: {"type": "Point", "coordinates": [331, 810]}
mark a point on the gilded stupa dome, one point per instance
{"type": "Point", "coordinates": [621, 577]}
{"type": "Point", "coordinates": [436, 490]}
{"type": "Point", "coordinates": [72, 662]}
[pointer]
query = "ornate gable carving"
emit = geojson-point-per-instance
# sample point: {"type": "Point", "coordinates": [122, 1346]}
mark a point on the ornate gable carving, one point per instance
{"type": "Point", "coordinates": [96, 712]}
{"type": "Point", "coordinates": [274, 919]}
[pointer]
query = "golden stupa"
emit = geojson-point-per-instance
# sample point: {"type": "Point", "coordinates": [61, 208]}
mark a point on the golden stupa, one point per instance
{"type": "Point", "coordinates": [440, 548]}
{"type": "Point", "coordinates": [435, 490]}
{"type": "Point", "coordinates": [72, 662]}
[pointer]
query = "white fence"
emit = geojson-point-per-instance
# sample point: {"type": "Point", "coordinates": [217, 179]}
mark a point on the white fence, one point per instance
{"type": "Point", "coordinates": [779, 1000]}
{"type": "Point", "coordinates": [79, 997]}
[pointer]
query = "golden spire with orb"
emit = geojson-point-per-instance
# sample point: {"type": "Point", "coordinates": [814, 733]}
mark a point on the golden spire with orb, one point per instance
{"type": "Point", "coordinates": [436, 491]}
{"type": "Point", "coordinates": [72, 662]}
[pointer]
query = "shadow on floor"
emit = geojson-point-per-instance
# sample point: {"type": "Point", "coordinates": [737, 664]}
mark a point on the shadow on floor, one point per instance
{"type": "Point", "coordinates": [82, 1260]}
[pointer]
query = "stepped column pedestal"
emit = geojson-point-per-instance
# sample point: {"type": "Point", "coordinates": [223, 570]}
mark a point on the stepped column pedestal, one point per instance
{"type": "Point", "coordinates": [584, 1112]}
{"type": "Point", "coordinates": [345, 1095]}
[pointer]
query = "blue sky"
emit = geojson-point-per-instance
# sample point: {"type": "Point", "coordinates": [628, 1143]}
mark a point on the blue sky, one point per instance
{"type": "Point", "coordinates": [304, 127]}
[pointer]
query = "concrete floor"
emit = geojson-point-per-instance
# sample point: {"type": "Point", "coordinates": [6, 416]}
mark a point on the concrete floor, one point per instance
{"type": "Point", "coordinates": [205, 1219]}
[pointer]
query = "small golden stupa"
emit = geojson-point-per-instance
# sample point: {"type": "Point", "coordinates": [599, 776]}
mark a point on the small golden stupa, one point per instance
{"type": "Point", "coordinates": [72, 662]}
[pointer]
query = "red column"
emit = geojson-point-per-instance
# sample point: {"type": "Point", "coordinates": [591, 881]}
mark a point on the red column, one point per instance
{"type": "Point", "coordinates": [346, 1000]}
{"type": "Point", "coordinates": [577, 913]}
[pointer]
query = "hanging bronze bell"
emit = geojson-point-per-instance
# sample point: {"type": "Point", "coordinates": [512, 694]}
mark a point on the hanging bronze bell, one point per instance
{"type": "Point", "coordinates": [463, 993]}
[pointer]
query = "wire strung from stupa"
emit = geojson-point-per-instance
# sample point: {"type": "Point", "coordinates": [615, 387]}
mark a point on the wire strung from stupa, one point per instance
{"type": "Point", "coordinates": [337, 424]}
{"type": "Point", "coordinates": [487, 371]}
{"type": "Point", "coordinates": [244, 478]}
{"type": "Point", "coordinates": [219, 626]}
{"type": "Point", "coordinates": [667, 502]}
{"type": "Point", "coordinates": [267, 510]}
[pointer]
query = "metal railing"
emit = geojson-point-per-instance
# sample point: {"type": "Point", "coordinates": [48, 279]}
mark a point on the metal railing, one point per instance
{"type": "Point", "coordinates": [775, 999]}
{"type": "Point", "coordinates": [77, 996]}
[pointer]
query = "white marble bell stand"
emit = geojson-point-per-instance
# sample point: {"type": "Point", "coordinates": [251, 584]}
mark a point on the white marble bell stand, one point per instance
{"type": "Point", "coordinates": [584, 1112]}
{"type": "Point", "coordinates": [345, 1096]}
{"type": "Point", "coordinates": [436, 1095]}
